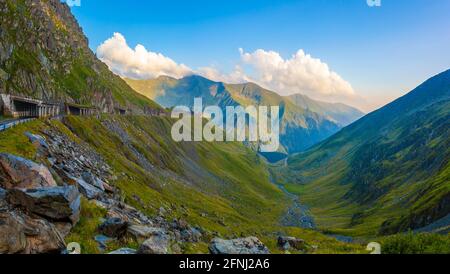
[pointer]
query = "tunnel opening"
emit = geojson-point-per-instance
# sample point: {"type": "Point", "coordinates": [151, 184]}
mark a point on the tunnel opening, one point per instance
{"type": "Point", "coordinates": [74, 110]}
{"type": "Point", "coordinates": [23, 109]}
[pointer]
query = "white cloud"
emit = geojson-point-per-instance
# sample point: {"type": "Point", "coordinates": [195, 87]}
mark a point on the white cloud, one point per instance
{"type": "Point", "coordinates": [138, 63]}
{"type": "Point", "coordinates": [237, 76]}
{"type": "Point", "coordinates": [299, 74]}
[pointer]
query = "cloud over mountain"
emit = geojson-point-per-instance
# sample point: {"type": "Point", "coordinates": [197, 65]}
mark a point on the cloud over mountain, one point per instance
{"type": "Point", "coordinates": [138, 63]}
{"type": "Point", "coordinates": [301, 73]}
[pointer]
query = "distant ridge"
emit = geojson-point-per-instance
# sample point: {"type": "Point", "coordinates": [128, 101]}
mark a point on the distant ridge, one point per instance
{"type": "Point", "coordinates": [387, 172]}
{"type": "Point", "coordinates": [302, 126]}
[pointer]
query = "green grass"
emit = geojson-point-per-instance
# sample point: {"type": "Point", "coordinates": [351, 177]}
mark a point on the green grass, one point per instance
{"type": "Point", "coordinates": [363, 183]}
{"type": "Point", "coordinates": [84, 232]}
{"type": "Point", "coordinates": [416, 244]}
{"type": "Point", "coordinates": [15, 142]}
{"type": "Point", "coordinates": [220, 187]}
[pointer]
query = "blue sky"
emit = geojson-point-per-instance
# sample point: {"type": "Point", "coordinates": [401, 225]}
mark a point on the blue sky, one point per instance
{"type": "Point", "coordinates": [382, 52]}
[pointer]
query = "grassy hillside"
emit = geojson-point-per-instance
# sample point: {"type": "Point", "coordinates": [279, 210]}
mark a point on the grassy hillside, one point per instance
{"type": "Point", "coordinates": [386, 173]}
{"type": "Point", "coordinates": [223, 188]}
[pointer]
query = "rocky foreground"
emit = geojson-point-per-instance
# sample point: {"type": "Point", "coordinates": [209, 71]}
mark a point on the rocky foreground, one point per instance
{"type": "Point", "coordinates": [41, 204]}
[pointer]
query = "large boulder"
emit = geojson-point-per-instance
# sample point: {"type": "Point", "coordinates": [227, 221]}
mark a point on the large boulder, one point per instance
{"type": "Point", "coordinates": [56, 203]}
{"type": "Point", "coordinates": [19, 233]}
{"type": "Point", "coordinates": [17, 172]}
{"type": "Point", "coordinates": [157, 244]}
{"type": "Point", "coordinates": [250, 245]}
{"type": "Point", "coordinates": [113, 227]}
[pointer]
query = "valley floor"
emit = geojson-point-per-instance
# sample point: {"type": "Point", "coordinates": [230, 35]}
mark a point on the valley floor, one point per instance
{"type": "Point", "coordinates": [222, 190]}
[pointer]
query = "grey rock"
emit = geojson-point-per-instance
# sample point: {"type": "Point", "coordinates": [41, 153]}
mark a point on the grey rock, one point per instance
{"type": "Point", "coordinates": [22, 234]}
{"type": "Point", "coordinates": [56, 203]}
{"type": "Point", "coordinates": [142, 232]}
{"type": "Point", "coordinates": [250, 245]}
{"type": "Point", "coordinates": [287, 243]}
{"type": "Point", "coordinates": [17, 172]}
{"type": "Point", "coordinates": [114, 227]}
{"type": "Point", "coordinates": [89, 191]}
{"type": "Point", "coordinates": [37, 139]}
{"type": "Point", "coordinates": [124, 251]}
{"type": "Point", "coordinates": [158, 244]}
{"type": "Point", "coordinates": [103, 241]}
{"type": "Point", "coordinates": [191, 235]}
{"type": "Point", "coordinates": [93, 180]}
{"type": "Point", "coordinates": [129, 214]}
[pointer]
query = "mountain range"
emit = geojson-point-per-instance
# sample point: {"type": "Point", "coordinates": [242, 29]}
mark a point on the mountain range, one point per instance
{"type": "Point", "coordinates": [345, 176]}
{"type": "Point", "coordinates": [119, 171]}
{"type": "Point", "coordinates": [304, 122]}
{"type": "Point", "coordinates": [386, 173]}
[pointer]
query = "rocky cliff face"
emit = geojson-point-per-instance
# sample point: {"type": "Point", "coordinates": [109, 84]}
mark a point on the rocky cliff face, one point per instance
{"type": "Point", "coordinates": [45, 55]}
{"type": "Point", "coordinates": [40, 204]}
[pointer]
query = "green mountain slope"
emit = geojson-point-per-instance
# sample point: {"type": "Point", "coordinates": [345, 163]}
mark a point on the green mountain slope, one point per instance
{"type": "Point", "coordinates": [300, 127]}
{"type": "Point", "coordinates": [44, 54]}
{"type": "Point", "coordinates": [221, 188]}
{"type": "Point", "coordinates": [387, 172]}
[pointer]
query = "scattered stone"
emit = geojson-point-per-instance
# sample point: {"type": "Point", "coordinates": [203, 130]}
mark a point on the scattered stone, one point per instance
{"type": "Point", "coordinates": [92, 180]}
{"type": "Point", "coordinates": [180, 224]}
{"type": "Point", "coordinates": [37, 140]}
{"type": "Point", "coordinates": [287, 243]}
{"type": "Point", "coordinates": [89, 191]}
{"type": "Point", "coordinates": [17, 172]}
{"type": "Point", "coordinates": [158, 244]}
{"type": "Point", "coordinates": [20, 233]}
{"type": "Point", "coordinates": [102, 241]}
{"type": "Point", "coordinates": [114, 227]}
{"type": "Point", "coordinates": [191, 235]}
{"type": "Point", "coordinates": [250, 245]}
{"type": "Point", "coordinates": [124, 251]}
{"type": "Point", "coordinates": [176, 249]}
{"type": "Point", "coordinates": [128, 214]}
{"type": "Point", "coordinates": [162, 211]}
{"type": "Point", "coordinates": [108, 188]}
{"type": "Point", "coordinates": [56, 203]}
{"type": "Point", "coordinates": [142, 232]}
